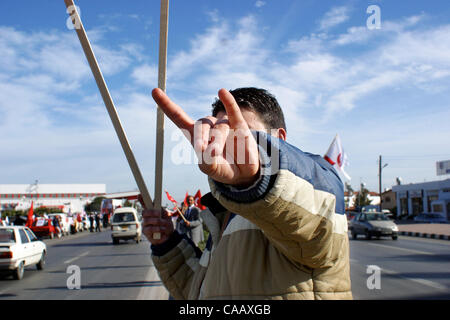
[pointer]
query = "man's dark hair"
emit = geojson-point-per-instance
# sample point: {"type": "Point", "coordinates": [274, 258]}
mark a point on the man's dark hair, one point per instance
{"type": "Point", "coordinates": [260, 101]}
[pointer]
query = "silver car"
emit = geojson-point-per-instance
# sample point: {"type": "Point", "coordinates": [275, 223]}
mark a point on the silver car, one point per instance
{"type": "Point", "coordinates": [373, 224]}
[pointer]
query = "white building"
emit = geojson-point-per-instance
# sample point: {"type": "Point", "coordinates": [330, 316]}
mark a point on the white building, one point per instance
{"type": "Point", "coordinates": [351, 200]}
{"type": "Point", "coordinates": [415, 198]}
{"type": "Point", "coordinates": [67, 197]}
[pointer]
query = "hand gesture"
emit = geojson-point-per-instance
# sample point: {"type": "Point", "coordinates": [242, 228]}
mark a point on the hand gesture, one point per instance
{"type": "Point", "coordinates": [225, 146]}
{"type": "Point", "coordinates": [156, 221]}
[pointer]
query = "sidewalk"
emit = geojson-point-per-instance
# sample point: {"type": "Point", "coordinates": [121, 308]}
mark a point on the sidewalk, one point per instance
{"type": "Point", "coordinates": [424, 230]}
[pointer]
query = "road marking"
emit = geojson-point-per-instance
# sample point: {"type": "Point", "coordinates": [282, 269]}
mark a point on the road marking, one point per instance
{"type": "Point", "coordinates": [403, 249]}
{"type": "Point", "coordinates": [418, 280]}
{"type": "Point", "coordinates": [77, 257]}
{"type": "Point", "coordinates": [428, 283]}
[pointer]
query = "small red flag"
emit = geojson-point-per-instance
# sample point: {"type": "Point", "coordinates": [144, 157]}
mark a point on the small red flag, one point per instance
{"type": "Point", "coordinates": [197, 198]}
{"type": "Point", "coordinates": [185, 199]}
{"type": "Point", "coordinates": [171, 198]}
{"type": "Point", "coordinates": [30, 216]}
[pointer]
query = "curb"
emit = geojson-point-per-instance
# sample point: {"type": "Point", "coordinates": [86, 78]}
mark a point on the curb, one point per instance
{"type": "Point", "coordinates": [424, 235]}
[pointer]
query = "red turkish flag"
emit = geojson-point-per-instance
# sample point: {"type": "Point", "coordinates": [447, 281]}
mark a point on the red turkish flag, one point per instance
{"type": "Point", "coordinates": [174, 210]}
{"type": "Point", "coordinates": [185, 199]}
{"type": "Point", "coordinates": [30, 216]}
{"type": "Point", "coordinates": [197, 198]}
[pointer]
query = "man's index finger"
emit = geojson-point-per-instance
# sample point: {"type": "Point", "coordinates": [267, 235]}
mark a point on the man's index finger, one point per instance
{"type": "Point", "coordinates": [173, 111]}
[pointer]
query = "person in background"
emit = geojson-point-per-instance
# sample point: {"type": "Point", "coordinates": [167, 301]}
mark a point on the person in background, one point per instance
{"type": "Point", "coordinates": [18, 221]}
{"type": "Point", "coordinates": [57, 226]}
{"type": "Point", "coordinates": [97, 223]}
{"type": "Point", "coordinates": [105, 220]}
{"type": "Point", "coordinates": [91, 221]}
{"type": "Point", "coordinates": [194, 227]}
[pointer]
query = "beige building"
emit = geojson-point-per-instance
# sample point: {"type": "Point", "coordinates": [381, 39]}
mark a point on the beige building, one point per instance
{"type": "Point", "coordinates": [389, 200]}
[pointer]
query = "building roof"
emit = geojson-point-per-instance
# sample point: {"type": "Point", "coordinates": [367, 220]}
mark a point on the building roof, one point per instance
{"type": "Point", "coordinates": [431, 185]}
{"type": "Point", "coordinates": [130, 195]}
{"type": "Point", "coordinates": [355, 193]}
{"type": "Point", "coordinates": [52, 188]}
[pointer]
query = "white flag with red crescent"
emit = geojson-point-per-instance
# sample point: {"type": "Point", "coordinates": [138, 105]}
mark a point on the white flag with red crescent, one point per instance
{"type": "Point", "coordinates": [336, 156]}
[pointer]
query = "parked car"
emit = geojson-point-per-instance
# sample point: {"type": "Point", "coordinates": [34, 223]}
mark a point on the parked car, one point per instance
{"type": "Point", "coordinates": [125, 225]}
{"type": "Point", "coordinates": [19, 248]}
{"type": "Point", "coordinates": [43, 227]}
{"type": "Point", "coordinates": [430, 218]}
{"type": "Point", "coordinates": [64, 222]}
{"type": "Point", "coordinates": [373, 224]}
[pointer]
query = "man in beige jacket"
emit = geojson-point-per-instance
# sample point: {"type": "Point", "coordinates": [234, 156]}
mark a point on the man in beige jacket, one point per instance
{"type": "Point", "coordinates": [276, 214]}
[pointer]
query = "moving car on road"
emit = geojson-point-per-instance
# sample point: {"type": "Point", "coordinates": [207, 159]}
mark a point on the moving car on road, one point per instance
{"type": "Point", "coordinates": [373, 224]}
{"type": "Point", "coordinates": [19, 247]}
{"type": "Point", "coordinates": [125, 225]}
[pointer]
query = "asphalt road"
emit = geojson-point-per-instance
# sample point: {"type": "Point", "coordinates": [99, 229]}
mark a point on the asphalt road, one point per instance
{"type": "Point", "coordinates": [410, 268]}
{"type": "Point", "coordinates": [106, 271]}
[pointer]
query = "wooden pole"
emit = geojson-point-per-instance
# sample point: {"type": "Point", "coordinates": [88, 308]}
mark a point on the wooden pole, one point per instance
{"type": "Point", "coordinates": [182, 216]}
{"type": "Point", "coordinates": [101, 84]}
{"type": "Point", "coordinates": [164, 26]}
{"type": "Point", "coordinates": [162, 67]}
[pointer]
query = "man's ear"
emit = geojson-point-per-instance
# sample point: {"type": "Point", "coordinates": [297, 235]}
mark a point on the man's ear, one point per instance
{"type": "Point", "coordinates": [281, 134]}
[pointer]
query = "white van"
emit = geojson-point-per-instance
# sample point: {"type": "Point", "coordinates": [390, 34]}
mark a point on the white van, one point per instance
{"type": "Point", "coordinates": [125, 225]}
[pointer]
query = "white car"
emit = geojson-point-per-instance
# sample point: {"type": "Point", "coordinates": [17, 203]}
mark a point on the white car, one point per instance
{"type": "Point", "coordinates": [125, 225]}
{"type": "Point", "coordinates": [19, 248]}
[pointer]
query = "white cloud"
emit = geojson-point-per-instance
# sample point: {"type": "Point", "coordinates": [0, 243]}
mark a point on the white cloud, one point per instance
{"type": "Point", "coordinates": [146, 75]}
{"type": "Point", "coordinates": [362, 34]}
{"type": "Point", "coordinates": [260, 4]}
{"type": "Point", "coordinates": [315, 84]}
{"type": "Point", "coordinates": [334, 17]}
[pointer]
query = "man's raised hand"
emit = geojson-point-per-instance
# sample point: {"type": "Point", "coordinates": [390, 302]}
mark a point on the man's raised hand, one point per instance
{"type": "Point", "coordinates": [225, 146]}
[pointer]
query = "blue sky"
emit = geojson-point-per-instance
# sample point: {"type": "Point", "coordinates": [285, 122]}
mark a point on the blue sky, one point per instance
{"type": "Point", "coordinates": [384, 91]}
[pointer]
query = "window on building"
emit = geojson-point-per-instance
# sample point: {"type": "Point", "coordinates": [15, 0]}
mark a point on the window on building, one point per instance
{"type": "Point", "coordinates": [417, 206]}
{"type": "Point", "coordinates": [430, 199]}
{"type": "Point", "coordinates": [438, 208]}
{"type": "Point", "coordinates": [403, 206]}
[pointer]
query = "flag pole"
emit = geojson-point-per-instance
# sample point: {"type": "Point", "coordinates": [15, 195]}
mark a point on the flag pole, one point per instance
{"type": "Point", "coordinates": [101, 84]}
{"type": "Point", "coordinates": [162, 67]}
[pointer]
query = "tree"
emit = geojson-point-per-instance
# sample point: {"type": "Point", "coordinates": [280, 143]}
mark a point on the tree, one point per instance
{"type": "Point", "coordinates": [95, 205]}
{"type": "Point", "coordinates": [362, 199]}
{"type": "Point", "coordinates": [348, 188]}
{"type": "Point", "coordinates": [127, 203]}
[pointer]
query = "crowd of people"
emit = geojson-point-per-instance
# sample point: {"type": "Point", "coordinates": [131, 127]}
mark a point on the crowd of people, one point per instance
{"type": "Point", "coordinates": [77, 222]}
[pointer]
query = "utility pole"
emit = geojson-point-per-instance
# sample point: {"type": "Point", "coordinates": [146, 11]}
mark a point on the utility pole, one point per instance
{"type": "Point", "coordinates": [379, 182]}
{"type": "Point", "coordinates": [380, 169]}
